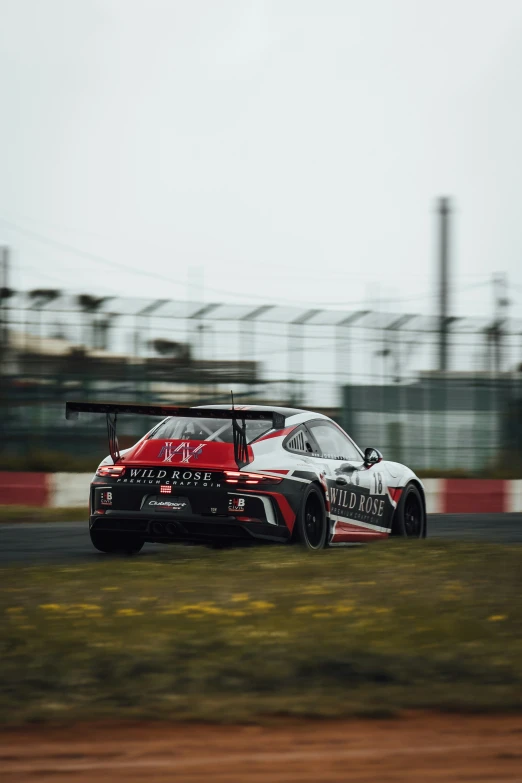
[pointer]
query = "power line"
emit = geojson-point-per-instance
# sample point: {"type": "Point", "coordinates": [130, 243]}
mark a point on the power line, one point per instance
{"type": "Point", "coordinates": [281, 273]}
{"type": "Point", "coordinates": [158, 276]}
{"type": "Point", "coordinates": [85, 253]}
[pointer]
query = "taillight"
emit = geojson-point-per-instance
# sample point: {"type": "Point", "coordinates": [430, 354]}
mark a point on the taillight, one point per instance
{"type": "Point", "coordinates": [240, 477]}
{"type": "Point", "coordinates": [114, 471]}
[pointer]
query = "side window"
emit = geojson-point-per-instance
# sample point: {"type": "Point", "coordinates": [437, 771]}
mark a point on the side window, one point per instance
{"type": "Point", "coordinates": [333, 444]}
{"type": "Point", "coordinates": [299, 442]}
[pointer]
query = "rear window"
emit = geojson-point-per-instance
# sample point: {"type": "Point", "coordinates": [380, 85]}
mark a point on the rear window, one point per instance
{"type": "Point", "coordinates": [218, 430]}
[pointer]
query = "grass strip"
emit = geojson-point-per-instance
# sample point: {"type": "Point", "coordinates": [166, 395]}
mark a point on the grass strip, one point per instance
{"type": "Point", "coordinates": [242, 634]}
{"type": "Point", "coordinates": [10, 514]}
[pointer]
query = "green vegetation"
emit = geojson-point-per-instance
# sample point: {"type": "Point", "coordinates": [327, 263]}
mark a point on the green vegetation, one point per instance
{"type": "Point", "coordinates": [31, 514]}
{"type": "Point", "coordinates": [242, 634]}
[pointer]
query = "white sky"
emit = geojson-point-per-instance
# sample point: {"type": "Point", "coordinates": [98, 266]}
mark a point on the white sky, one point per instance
{"type": "Point", "coordinates": [285, 151]}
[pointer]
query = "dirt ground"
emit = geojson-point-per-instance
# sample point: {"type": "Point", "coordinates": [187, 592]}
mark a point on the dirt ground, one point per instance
{"type": "Point", "coordinates": [416, 748]}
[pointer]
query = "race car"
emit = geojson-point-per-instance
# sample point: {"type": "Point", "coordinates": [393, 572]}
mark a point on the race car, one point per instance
{"type": "Point", "coordinates": [219, 474]}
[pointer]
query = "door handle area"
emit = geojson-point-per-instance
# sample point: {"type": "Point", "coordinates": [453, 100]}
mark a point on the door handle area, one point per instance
{"type": "Point", "coordinates": [341, 481]}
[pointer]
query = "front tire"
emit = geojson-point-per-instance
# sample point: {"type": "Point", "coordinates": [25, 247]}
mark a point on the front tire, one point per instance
{"type": "Point", "coordinates": [112, 543]}
{"type": "Point", "coordinates": [409, 520]}
{"type": "Point", "coordinates": [311, 524]}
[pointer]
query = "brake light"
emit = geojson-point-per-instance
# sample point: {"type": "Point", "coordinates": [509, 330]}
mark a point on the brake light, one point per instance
{"type": "Point", "coordinates": [114, 471]}
{"type": "Point", "coordinates": [240, 477]}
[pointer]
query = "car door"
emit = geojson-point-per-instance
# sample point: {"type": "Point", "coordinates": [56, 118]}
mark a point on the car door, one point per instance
{"type": "Point", "coordinates": [357, 494]}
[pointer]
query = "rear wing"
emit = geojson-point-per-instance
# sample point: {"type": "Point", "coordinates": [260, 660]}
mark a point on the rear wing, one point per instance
{"type": "Point", "coordinates": [238, 417]}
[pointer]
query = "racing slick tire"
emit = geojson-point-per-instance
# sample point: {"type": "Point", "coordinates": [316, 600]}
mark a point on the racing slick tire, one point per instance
{"type": "Point", "coordinates": [311, 523]}
{"type": "Point", "coordinates": [110, 543]}
{"type": "Point", "coordinates": [409, 520]}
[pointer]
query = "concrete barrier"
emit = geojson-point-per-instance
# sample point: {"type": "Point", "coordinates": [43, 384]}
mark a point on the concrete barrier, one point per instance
{"type": "Point", "coordinates": [514, 496]}
{"type": "Point", "coordinates": [474, 496]}
{"type": "Point", "coordinates": [69, 490]}
{"type": "Point", "coordinates": [24, 489]}
{"type": "Point", "coordinates": [434, 499]}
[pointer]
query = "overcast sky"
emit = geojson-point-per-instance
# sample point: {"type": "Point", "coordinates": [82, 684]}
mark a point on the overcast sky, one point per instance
{"type": "Point", "coordinates": [286, 151]}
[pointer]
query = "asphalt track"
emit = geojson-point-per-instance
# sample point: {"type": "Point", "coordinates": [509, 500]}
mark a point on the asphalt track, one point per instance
{"type": "Point", "coordinates": [69, 541]}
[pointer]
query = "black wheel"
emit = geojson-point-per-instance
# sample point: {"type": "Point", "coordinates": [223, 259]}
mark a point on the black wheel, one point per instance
{"type": "Point", "coordinates": [115, 542]}
{"type": "Point", "coordinates": [409, 520]}
{"type": "Point", "coordinates": [311, 525]}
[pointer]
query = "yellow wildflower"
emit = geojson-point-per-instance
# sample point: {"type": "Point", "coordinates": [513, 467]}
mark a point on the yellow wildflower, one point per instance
{"type": "Point", "coordinates": [238, 597]}
{"type": "Point", "coordinates": [316, 590]}
{"type": "Point", "coordinates": [497, 618]}
{"type": "Point", "coordinates": [195, 607]}
{"type": "Point", "coordinates": [261, 605]}
{"type": "Point", "coordinates": [52, 607]}
{"type": "Point", "coordinates": [128, 612]}
{"type": "Point", "coordinates": [15, 609]}
{"type": "Point", "coordinates": [343, 609]}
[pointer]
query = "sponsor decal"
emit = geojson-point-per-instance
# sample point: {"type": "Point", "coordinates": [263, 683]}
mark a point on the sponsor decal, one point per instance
{"type": "Point", "coordinates": [357, 506]}
{"type": "Point", "coordinates": [236, 504]}
{"type": "Point", "coordinates": [106, 497]}
{"type": "Point", "coordinates": [184, 451]}
{"type": "Point", "coordinates": [170, 477]}
{"type": "Point", "coordinates": [172, 505]}
{"type": "Point", "coordinates": [348, 472]}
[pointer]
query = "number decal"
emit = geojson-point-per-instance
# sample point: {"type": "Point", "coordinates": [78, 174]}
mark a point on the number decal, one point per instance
{"type": "Point", "coordinates": [377, 479]}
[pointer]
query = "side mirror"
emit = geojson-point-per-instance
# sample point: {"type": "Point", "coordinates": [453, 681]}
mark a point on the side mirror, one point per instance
{"type": "Point", "coordinates": [372, 456]}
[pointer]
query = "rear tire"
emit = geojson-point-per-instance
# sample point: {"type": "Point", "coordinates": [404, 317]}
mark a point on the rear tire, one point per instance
{"type": "Point", "coordinates": [409, 520]}
{"type": "Point", "coordinates": [311, 523]}
{"type": "Point", "coordinates": [111, 543]}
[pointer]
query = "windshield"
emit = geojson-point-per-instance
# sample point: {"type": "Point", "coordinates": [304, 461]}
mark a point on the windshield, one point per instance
{"type": "Point", "coordinates": [218, 430]}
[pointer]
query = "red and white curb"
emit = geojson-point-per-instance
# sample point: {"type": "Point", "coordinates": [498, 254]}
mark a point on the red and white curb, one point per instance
{"type": "Point", "coordinates": [443, 496]}
{"type": "Point", "coordinates": [472, 496]}
{"type": "Point", "coordinates": [45, 490]}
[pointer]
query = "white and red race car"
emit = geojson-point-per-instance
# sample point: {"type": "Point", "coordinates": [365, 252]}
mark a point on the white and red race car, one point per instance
{"type": "Point", "coordinates": [218, 474]}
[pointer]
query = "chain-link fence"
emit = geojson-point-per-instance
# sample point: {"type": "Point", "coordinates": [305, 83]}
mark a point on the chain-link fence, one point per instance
{"type": "Point", "coordinates": [442, 422]}
{"type": "Point", "coordinates": [376, 372]}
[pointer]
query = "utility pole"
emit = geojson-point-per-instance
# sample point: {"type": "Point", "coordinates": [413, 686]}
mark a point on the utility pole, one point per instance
{"type": "Point", "coordinates": [444, 210]}
{"type": "Point", "coordinates": [501, 303]}
{"type": "Point", "coordinates": [4, 294]}
{"type": "Point", "coordinates": [4, 338]}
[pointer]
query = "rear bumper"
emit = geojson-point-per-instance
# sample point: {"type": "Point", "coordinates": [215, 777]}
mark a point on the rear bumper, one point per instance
{"type": "Point", "coordinates": [164, 527]}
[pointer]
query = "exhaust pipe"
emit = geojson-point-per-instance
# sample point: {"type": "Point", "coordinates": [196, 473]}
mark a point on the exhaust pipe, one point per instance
{"type": "Point", "coordinates": [158, 529]}
{"type": "Point", "coordinates": [172, 529]}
